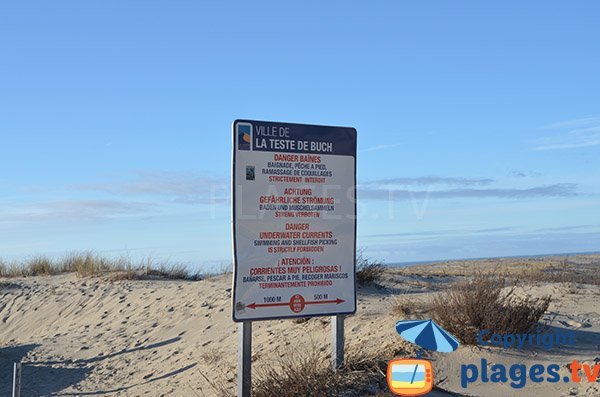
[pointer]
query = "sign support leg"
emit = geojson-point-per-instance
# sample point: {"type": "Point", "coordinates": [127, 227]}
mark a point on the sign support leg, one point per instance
{"type": "Point", "coordinates": [244, 383]}
{"type": "Point", "coordinates": [337, 342]}
{"type": "Point", "coordinates": [16, 391]}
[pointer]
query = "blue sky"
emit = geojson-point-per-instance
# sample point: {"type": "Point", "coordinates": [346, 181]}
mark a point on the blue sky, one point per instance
{"type": "Point", "coordinates": [481, 120]}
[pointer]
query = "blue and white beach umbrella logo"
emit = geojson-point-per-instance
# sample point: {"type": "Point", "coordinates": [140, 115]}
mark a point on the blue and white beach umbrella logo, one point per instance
{"type": "Point", "coordinates": [428, 335]}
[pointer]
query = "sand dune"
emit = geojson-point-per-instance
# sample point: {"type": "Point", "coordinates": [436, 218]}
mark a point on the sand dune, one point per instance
{"type": "Point", "coordinates": [92, 336]}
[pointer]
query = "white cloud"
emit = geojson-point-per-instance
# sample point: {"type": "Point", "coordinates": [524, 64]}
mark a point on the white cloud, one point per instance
{"type": "Point", "coordinates": [382, 147]}
{"type": "Point", "coordinates": [430, 180]}
{"type": "Point", "coordinates": [180, 187]}
{"type": "Point", "coordinates": [575, 123]}
{"type": "Point", "coordinates": [388, 193]}
{"type": "Point", "coordinates": [578, 133]}
{"type": "Point", "coordinates": [70, 210]}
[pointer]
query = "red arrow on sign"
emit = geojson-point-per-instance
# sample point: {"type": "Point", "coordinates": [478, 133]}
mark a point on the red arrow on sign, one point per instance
{"type": "Point", "coordinates": [254, 305]}
{"type": "Point", "coordinates": [336, 301]}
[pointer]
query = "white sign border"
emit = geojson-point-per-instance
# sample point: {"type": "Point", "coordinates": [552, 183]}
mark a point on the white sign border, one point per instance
{"type": "Point", "coordinates": [233, 218]}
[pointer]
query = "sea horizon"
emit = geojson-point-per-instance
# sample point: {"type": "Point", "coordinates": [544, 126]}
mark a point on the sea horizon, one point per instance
{"type": "Point", "coordinates": [426, 262]}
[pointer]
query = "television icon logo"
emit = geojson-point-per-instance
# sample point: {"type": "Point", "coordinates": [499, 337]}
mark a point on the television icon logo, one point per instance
{"type": "Point", "coordinates": [410, 377]}
{"type": "Point", "coordinates": [244, 136]}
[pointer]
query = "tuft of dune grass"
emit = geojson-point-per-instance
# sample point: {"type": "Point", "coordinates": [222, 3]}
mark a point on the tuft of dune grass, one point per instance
{"type": "Point", "coordinates": [368, 271]}
{"type": "Point", "coordinates": [306, 371]}
{"type": "Point", "coordinates": [88, 263]}
{"type": "Point", "coordinates": [35, 266]}
{"type": "Point", "coordinates": [40, 265]}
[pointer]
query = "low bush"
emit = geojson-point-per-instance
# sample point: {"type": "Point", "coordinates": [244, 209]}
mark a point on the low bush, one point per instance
{"type": "Point", "coordinates": [405, 307]}
{"type": "Point", "coordinates": [368, 271]}
{"type": "Point", "coordinates": [486, 302]}
{"type": "Point", "coordinates": [308, 372]}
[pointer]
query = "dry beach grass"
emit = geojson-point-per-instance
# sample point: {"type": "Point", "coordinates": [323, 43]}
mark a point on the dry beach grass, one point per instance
{"type": "Point", "coordinates": [486, 302]}
{"type": "Point", "coordinates": [86, 264]}
{"type": "Point", "coordinates": [89, 331]}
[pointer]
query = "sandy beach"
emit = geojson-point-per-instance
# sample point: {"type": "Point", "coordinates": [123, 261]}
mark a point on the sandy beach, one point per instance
{"type": "Point", "coordinates": [299, 199]}
{"type": "Point", "coordinates": [156, 337]}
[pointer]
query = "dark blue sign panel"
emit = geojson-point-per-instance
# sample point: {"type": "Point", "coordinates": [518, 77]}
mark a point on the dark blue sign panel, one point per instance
{"type": "Point", "coordinates": [266, 136]}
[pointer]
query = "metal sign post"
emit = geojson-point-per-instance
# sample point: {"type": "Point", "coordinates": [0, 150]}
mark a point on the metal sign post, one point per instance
{"type": "Point", "coordinates": [244, 384]}
{"type": "Point", "coordinates": [16, 391]}
{"type": "Point", "coordinates": [337, 342]}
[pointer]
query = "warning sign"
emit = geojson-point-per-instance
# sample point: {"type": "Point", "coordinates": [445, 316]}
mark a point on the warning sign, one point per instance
{"type": "Point", "coordinates": [294, 220]}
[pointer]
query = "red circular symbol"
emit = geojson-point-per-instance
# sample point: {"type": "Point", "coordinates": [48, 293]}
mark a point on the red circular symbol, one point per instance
{"type": "Point", "coordinates": [297, 303]}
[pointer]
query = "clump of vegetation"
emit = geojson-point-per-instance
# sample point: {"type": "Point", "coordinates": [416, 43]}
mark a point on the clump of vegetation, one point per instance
{"type": "Point", "coordinates": [486, 302]}
{"type": "Point", "coordinates": [405, 307]}
{"type": "Point", "coordinates": [36, 266]}
{"type": "Point", "coordinates": [6, 269]}
{"type": "Point", "coordinates": [368, 271]}
{"type": "Point", "coordinates": [87, 264]}
{"type": "Point", "coordinates": [307, 372]}
{"type": "Point", "coordinates": [567, 272]}
{"type": "Point", "coordinates": [40, 265]}
{"type": "Point", "coordinates": [173, 271]}
{"type": "Point", "coordinates": [212, 356]}
{"type": "Point", "coordinates": [218, 271]}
